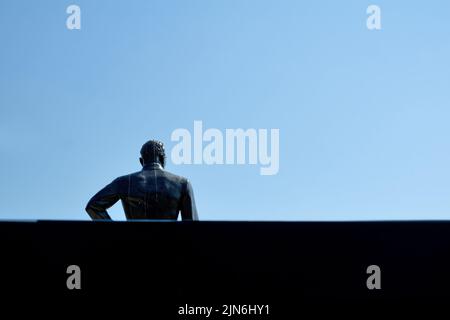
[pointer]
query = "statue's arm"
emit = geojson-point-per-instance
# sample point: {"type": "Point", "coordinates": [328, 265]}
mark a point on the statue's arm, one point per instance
{"type": "Point", "coordinates": [188, 208]}
{"type": "Point", "coordinates": [102, 200]}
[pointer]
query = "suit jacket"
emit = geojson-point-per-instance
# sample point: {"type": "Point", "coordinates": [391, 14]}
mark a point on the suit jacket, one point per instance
{"type": "Point", "coordinates": [152, 193]}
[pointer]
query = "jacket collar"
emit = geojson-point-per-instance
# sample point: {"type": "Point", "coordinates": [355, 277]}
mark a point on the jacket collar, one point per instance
{"type": "Point", "coordinates": [152, 166]}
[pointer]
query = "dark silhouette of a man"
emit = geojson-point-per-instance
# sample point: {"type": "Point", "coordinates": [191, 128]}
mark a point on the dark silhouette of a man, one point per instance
{"type": "Point", "coordinates": [152, 193]}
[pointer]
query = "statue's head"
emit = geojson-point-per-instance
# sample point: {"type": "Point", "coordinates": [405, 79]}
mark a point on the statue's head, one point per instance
{"type": "Point", "coordinates": [153, 151]}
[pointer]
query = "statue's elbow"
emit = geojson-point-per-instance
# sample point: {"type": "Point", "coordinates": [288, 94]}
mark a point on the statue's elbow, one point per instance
{"type": "Point", "coordinates": [89, 210]}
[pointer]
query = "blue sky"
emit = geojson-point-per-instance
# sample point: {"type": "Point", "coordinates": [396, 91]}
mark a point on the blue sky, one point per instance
{"type": "Point", "coordinates": [363, 115]}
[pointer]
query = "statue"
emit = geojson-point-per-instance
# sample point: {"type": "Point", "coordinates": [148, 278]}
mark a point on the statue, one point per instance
{"type": "Point", "coordinates": [152, 193]}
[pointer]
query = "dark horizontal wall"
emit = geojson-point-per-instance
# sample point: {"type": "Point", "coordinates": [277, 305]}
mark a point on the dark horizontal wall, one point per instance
{"type": "Point", "coordinates": [222, 262]}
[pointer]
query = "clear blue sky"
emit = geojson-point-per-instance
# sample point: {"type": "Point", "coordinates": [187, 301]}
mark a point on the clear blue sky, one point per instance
{"type": "Point", "coordinates": [364, 116]}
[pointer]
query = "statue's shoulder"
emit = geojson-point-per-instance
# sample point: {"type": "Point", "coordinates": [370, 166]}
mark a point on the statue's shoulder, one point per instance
{"type": "Point", "coordinates": [127, 177]}
{"type": "Point", "coordinates": [174, 177]}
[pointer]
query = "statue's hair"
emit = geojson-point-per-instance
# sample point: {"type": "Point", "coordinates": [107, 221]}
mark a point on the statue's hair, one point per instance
{"type": "Point", "coordinates": [153, 151]}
